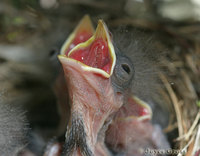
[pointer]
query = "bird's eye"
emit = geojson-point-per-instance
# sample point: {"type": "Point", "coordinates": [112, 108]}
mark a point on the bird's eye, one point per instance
{"type": "Point", "coordinates": [53, 60]}
{"type": "Point", "coordinates": [126, 68]}
{"type": "Point", "coordinates": [123, 72]}
{"type": "Point", "coordinates": [53, 52]}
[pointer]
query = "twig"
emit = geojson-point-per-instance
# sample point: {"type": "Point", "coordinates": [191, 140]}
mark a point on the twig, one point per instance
{"type": "Point", "coordinates": [175, 103]}
{"type": "Point", "coordinates": [189, 133]}
{"type": "Point", "coordinates": [189, 84]}
{"type": "Point", "coordinates": [183, 151]}
{"type": "Point", "coordinates": [197, 141]}
{"type": "Point", "coordinates": [170, 127]}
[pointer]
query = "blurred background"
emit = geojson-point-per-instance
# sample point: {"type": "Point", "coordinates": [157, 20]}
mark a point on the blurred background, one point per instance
{"type": "Point", "coordinates": [32, 32]}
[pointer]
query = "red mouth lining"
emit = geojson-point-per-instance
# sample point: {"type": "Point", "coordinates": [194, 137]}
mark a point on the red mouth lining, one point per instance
{"type": "Point", "coordinates": [137, 108]}
{"type": "Point", "coordinates": [80, 37]}
{"type": "Point", "coordinates": [133, 109]}
{"type": "Point", "coordinates": [95, 55]}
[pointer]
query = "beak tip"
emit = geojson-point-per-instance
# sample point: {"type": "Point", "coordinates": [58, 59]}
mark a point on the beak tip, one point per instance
{"type": "Point", "coordinates": [86, 18]}
{"type": "Point", "coordinates": [83, 30]}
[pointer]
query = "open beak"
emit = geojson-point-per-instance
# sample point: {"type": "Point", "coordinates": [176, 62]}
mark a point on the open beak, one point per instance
{"type": "Point", "coordinates": [96, 55]}
{"type": "Point", "coordinates": [87, 69]}
{"type": "Point", "coordinates": [136, 109]}
{"type": "Point", "coordinates": [81, 33]}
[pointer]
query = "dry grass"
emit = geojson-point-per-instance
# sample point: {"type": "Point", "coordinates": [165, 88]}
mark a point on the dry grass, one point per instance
{"type": "Point", "coordinates": [184, 94]}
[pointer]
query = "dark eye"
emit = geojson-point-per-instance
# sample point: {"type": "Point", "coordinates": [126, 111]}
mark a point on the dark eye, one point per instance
{"type": "Point", "coordinates": [126, 68]}
{"type": "Point", "coordinates": [53, 59]}
{"type": "Point", "coordinates": [53, 52]}
{"type": "Point", "coordinates": [123, 72]}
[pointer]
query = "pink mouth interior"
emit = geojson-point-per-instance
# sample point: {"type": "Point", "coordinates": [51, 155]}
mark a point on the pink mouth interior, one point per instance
{"type": "Point", "coordinates": [80, 37]}
{"type": "Point", "coordinates": [95, 55]}
{"type": "Point", "coordinates": [139, 110]}
{"type": "Point", "coordinates": [133, 108]}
